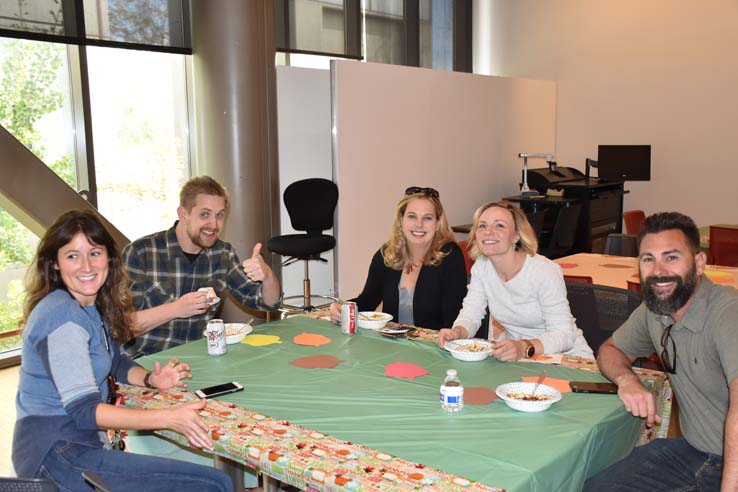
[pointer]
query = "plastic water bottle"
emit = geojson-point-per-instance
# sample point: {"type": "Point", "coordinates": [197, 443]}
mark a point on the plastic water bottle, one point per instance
{"type": "Point", "coordinates": [452, 392]}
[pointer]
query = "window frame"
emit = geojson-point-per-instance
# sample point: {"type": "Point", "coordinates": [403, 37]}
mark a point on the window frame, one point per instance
{"type": "Point", "coordinates": [353, 29]}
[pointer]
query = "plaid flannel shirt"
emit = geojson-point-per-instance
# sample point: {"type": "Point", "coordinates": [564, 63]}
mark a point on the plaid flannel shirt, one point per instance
{"type": "Point", "coordinates": [160, 272]}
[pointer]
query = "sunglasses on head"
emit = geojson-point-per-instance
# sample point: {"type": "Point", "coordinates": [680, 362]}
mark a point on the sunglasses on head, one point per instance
{"type": "Point", "coordinates": [432, 192]}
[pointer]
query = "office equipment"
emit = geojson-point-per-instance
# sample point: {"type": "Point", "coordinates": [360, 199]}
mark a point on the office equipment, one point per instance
{"type": "Point", "coordinates": [524, 189]}
{"type": "Point", "coordinates": [624, 162]}
{"type": "Point", "coordinates": [602, 205]}
{"type": "Point", "coordinates": [544, 179]}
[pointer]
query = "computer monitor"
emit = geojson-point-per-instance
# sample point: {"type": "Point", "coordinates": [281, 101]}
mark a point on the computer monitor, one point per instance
{"type": "Point", "coordinates": [624, 162]}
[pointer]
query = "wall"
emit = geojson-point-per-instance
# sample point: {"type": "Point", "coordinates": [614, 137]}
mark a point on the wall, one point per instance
{"type": "Point", "coordinates": [304, 122]}
{"type": "Point", "coordinates": [658, 72]}
{"type": "Point", "coordinates": [400, 126]}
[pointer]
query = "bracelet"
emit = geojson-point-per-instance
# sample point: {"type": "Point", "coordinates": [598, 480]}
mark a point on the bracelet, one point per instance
{"type": "Point", "coordinates": [147, 383]}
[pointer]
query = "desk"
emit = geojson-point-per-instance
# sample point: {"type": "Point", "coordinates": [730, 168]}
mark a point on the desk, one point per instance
{"type": "Point", "coordinates": [490, 444]}
{"type": "Point", "coordinates": [602, 209]}
{"type": "Point", "coordinates": [463, 229]}
{"type": "Point", "coordinates": [615, 271]}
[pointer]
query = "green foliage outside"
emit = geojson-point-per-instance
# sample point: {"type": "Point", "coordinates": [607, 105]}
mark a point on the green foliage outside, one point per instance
{"type": "Point", "coordinates": [29, 89]}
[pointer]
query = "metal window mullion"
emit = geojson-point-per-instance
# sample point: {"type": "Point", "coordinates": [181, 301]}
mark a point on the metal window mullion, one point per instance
{"type": "Point", "coordinates": [84, 81]}
{"type": "Point", "coordinates": [352, 28]}
{"type": "Point", "coordinates": [69, 18]}
{"type": "Point", "coordinates": [462, 48]}
{"type": "Point", "coordinates": [411, 24]}
{"type": "Point", "coordinates": [281, 25]}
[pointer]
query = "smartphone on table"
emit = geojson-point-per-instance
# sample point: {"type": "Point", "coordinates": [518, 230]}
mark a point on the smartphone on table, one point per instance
{"type": "Point", "coordinates": [592, 387]}
{"type": "Point", "coordinates": [219, 389]}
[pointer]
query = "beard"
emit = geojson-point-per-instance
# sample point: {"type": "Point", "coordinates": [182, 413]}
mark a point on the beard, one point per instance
{"type": "Point", "coordinates": [197, 240]}
{"type": "Point", "coordinates": [685, 287]}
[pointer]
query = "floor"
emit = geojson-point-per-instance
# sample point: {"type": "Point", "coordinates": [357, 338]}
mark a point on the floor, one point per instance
{"type": "Point", "coordinates": [8, 387]}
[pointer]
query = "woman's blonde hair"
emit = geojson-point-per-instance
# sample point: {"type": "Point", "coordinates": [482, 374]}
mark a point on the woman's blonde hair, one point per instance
{"type": "Point", "coordinates": [396, 252]}
{"type": "Point", "coordinates": [527, 242]}
{"type": "Point", "coordinates": [113, 300]}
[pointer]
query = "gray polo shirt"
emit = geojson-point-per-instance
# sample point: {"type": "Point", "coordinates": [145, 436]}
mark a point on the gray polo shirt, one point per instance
{"type": "Point", "coordinates": [706, 341]}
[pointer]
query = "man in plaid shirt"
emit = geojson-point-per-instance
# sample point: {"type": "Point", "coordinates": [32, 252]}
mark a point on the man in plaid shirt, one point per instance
{"type": "Point", "coordinates": [167, 268]}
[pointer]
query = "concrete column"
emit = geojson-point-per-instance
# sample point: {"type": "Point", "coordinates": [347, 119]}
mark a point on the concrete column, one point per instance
{"type": "Point", "coordinates": [234, 81]}
{"type": "Point", "coordinates": [482, 35]}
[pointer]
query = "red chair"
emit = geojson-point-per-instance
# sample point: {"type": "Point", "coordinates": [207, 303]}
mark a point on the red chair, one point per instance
{"type": "Point", "coordinates": [634, 286]}
{"type": "Point", "coordinates": [578, 279]}
{"type": "Point", "coordinates": [464, 245]}
{"type": "Point", "coordinates": [633, 221]}
{"type": "Point", "coordinates": [723, 246]}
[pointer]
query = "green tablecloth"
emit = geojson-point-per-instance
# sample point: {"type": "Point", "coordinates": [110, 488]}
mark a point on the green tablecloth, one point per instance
{"type": "Point", "coordinates": [550, 451]}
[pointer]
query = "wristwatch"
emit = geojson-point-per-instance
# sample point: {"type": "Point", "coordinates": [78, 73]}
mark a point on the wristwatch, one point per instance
{"type": "Point", "coordinates": [147, 383]}
{"type": "Point", "coordinates": [530, 349]}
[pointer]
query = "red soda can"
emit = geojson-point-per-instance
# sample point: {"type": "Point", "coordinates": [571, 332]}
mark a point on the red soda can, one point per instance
{"type": "Point", "coordinates": [348, 317]}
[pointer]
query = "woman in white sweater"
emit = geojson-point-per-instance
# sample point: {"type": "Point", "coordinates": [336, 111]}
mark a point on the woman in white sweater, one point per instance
{"type": "Point", "coordinates": [525, 292]}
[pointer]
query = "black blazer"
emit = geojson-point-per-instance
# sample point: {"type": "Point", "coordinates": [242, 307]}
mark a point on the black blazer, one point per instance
{"type": "Point", "coordinates": [438, 295]}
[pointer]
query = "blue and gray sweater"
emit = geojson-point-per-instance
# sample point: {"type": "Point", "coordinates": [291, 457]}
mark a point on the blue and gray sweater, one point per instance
{"type": "Point", "coordinates": [65, 364]}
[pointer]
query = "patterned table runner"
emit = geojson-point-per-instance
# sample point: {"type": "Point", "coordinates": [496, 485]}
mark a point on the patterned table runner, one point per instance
{"type": "Point", "coordinates": [298, 456]}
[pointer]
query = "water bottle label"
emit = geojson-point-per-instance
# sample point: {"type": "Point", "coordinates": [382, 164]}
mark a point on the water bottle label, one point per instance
{"type": "Point", "coordinates": [452, 395]}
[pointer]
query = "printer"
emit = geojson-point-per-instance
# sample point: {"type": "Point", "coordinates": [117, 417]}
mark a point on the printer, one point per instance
{"type": "Point", "coordinates": [552, 178]}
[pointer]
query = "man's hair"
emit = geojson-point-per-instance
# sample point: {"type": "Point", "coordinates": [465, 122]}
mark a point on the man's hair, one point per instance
{"type": "Point", "coordinates": [200, 185]}
{"type": "Point", "coordinates": [666, 221]}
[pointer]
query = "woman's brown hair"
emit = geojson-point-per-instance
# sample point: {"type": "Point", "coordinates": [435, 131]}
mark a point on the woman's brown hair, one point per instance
{"type": "Point", "coordinates": [113, 300]}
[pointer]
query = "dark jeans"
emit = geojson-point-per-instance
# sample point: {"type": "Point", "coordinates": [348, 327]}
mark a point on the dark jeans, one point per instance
{"type": "Point", "coordinates": [663, 465]}
{"type": "Point", "coordinates": [121, 471]}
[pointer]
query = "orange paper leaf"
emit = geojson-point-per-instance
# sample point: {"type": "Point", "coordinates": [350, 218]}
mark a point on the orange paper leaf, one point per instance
{"type": "Point", "coordinates": [560, 384]}
{"type": "Point", "coordinates": [312, 339]}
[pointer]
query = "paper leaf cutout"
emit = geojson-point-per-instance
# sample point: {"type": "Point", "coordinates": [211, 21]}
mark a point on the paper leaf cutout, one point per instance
{"type": "Point", "coordinates": [260, 340]}
{"type": "Point", "coordinates": [404, 370]}
{"type": "Point", "coordinates": [322, 361]}
{"type": "Point", "coordinates": [312, 339]}
{"type": "Point", "coordinates": [479, 396]}
{"type": "Point", "coordinates": [560, 384]}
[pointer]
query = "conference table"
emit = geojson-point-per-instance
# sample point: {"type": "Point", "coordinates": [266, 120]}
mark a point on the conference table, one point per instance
{"type": "Point", "coordinates": [616, 271]}
{"type": "Point", "coordinates": [374, 420]}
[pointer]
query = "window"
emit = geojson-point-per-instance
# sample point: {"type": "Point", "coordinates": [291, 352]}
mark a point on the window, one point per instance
{"type": "Point", "coordinates": [40, 16]}
{"type": "Point", "coordinates": [16, 253]}
{"type": "Point", "coordinates": [149, 22]}
{"type": "Point", "coordinates": [35, 102]}
{"type": "Point", "coordinates": [139, 116]}
{"type": "Point", "coordinates": [421, 33]}
{"type": "Point", "coordinates": [437, 34]}
{"type": "Point", "coordinates": [138, 110]}
{"type": "Point", "coordinates": [383, 35]}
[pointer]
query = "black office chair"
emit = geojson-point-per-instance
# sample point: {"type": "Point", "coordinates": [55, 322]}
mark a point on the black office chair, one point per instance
{"type": "Point", "coordinates": [564, 232]}
{"type": "Point", "coordinates": [622, 245]}
{"type": "Point", "coordinates": [8, 484]}
{"type": "Point", "coordinates": [537, 219]}
{"type": "Point", "coordinates": [310, 204]}
{"type": "Point", "coordinates": [26, 485]}
{"type": "Point", "coordinates": [600, 310]}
